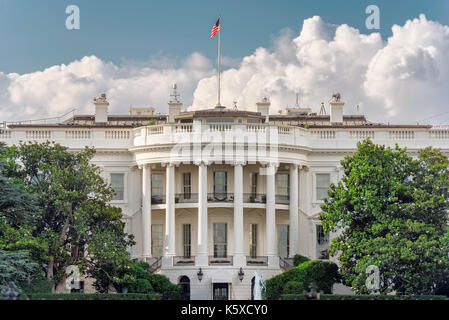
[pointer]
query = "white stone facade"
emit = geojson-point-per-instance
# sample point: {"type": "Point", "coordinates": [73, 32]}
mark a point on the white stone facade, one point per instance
{"type": "Point", "coordinates": [183, 213]}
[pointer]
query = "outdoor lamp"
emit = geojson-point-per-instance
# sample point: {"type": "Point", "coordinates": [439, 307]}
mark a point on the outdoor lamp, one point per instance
{"type": "Point", "coordinates": [200, 275]}
{"type": "Point", "coordinates": [241, 274]}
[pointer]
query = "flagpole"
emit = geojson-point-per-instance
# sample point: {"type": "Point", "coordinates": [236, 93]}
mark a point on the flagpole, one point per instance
{"type": "Point", "coordinates": [219, 56]}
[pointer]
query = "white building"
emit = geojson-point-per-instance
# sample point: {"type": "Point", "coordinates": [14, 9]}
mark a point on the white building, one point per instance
{"type": "Point", "coordinates": [214, 195]}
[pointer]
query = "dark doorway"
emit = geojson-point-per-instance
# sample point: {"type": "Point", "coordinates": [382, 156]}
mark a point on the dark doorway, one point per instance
{"type": "Point", "coordinates": [184, 282]}
{"type": "Point", "coordinates": [221, 291]}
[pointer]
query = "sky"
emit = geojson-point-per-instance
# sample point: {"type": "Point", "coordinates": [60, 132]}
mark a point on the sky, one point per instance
{"type": "Point", "coordinates": [134, 50]}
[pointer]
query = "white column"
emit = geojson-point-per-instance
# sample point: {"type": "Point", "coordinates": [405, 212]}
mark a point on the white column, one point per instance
{"type": "Point", "coordinates": [170, 210]}
{"type": "Point", "coordinates": [146, 211]}
{"type": "Point", "coordinates": [294, 223]}
{"type": "Point", "coordinates": [239, 258]}
{"type": "Point", "coordinates": [203, 250]}
{"type": "Point", "coordinates": [271, 211]}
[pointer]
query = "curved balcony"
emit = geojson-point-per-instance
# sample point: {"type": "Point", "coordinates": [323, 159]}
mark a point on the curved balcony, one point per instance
{"type": "Point", "coordinates": [186, 197]}
{"type": "Point", "coordinates": [254, 198]}
{"type": "Point", "coordinates": [220, 197]}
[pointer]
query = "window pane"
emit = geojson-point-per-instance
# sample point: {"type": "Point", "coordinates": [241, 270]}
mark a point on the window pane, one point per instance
{"type": "Point", "coordinates": [253, 179]}
{"type": "Point", "coordinates": [283, 185]}
{"type": "Point", "coordinates": [220, 187]}
{"type": "Point", "coordinates": [187, 185]}
{"type": "Point", "coordinates": [117, 183]}
{"type": "Point", "coordinates": [156, 184]}
{"type": "Point", "coordinates": [322, 185]}
{"type": "Point", "coordinates": [283, 240]}
{"type": "Point", "coordinates": [157, 240]}
{"type": "Point", "coordinates": [187, 240]}
{"type": "Point", "coordinates": [220, 240]}
{"type": "Point", "coordinates": [253, 240]}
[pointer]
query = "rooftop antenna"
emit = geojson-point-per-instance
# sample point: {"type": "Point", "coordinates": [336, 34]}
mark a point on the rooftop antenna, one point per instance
{"type": "Point", "coordinates": [297, 99]}
{"type": "Point", "coordinates": [322, 110]}
{"type": "Point", "coordinates": [235, 104]}
{"type": "Point", "coordinates": [357, 108]}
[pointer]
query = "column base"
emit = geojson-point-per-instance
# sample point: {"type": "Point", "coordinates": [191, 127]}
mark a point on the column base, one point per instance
{"type": "Point", "coordinates": [202, 261]}
{"type": "Point", "coordinates": [167, 262]}
{"type": "Point", "coordinates": [273, 262]}
{"type": "Point", "coordinates": [239, 260]}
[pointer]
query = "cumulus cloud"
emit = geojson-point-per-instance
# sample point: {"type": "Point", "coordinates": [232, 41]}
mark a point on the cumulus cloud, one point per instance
{"type": "Point", "coordinates": [403, 79]}
{"type": "Point", "coordinates": [400, 79]}
{"type": "Point", "coordinates": [57, 89]}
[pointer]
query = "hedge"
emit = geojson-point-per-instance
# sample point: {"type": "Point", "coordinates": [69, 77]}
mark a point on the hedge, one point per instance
{"type": "Point", "coordinates": [298, 279]}
{"type": "Point", "coordinates": [364, 297]}
{"type": "Point", "coordinates": [92, 296]}
{"type": "Point", "coordinates": [299, 259]}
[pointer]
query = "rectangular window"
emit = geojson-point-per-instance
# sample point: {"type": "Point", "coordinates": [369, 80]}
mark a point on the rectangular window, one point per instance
{"type": "Point", "coordinates": [157, 240]}
{"type": "Point", "coordinates": [187, 233]}
{"type": "Point", "coordinates": [157, 188]}
{"type": "Point", "coordinates": [253, 180]}
{"type": "Point", "coordinates": [253, 240]}
{"type": "Point", "coordinates": [118, 184]}
{"type": "Point", "coordinates": [220, 240]}
{"type": "Point", "coordinates": [322, 240]}
{"type": "Point", "coordinates": [283, 186]}
{"type": "Point", "coordinates": [220, 184]}
{"type": "Point", "coordinates": [322, 185]}
{"type": "Point", "coordinates": [283, 240]}
{"type": "Point", "coordinates": [187, 185]}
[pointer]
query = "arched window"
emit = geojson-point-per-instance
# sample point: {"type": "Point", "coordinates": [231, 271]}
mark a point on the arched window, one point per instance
{"type": "Point", "coordinates": [184, 282]}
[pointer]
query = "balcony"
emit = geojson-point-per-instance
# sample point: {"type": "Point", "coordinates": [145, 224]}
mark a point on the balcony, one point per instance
{"type": "Point", "coordinates": [183, 261]}
{"type": "Point", "coordinates": [254, 198]}
{"type": "Point", "coordinates": [159, 199]}
{"type": "Point", "coordinates": [186, 198]}
{"type": "Point", "coordinates": [220, 261]}
{"type": "Point", "coordinates": [282, 199]}
{"type": "Point", "coordinates": [220, 197]}
{"type": "Point", "coordinates": [257, 261]}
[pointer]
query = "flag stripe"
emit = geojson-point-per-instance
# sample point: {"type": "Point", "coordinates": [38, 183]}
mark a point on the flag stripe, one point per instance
{"type": "Point", "coordinates": [215, 29]}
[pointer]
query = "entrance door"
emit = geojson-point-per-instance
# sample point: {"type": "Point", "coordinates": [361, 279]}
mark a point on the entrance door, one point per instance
{"type": "Point", "coordinates": [185, 286]}
{"type": "Point", "coordinates": [221, 291]}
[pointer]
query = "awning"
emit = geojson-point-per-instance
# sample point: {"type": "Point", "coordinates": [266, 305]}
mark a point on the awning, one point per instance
{"type": "Point", "coordinates": [221, 276]}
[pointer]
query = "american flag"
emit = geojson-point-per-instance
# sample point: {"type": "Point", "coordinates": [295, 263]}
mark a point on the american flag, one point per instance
{"type": "Point", "coordinates": [215, 29]}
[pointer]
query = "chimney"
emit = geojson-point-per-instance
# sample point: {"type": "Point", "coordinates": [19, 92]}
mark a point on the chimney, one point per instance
{"type": "Point", "coordinates": [174, 106]}
{"type": "Point", "coordinates": [336, 109]}
{"type": "Point", "coordinates": [101, 108]}
{"type": "Point", "coordinates": [264, 108]}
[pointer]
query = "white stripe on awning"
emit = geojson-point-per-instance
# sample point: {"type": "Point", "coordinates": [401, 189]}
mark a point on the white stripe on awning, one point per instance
{"type": "Point", "coordinates": [221, 276]}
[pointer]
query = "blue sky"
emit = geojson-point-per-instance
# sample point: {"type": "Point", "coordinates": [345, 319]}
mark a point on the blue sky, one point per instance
{"type": "Point", "coordinates": [33, 33]}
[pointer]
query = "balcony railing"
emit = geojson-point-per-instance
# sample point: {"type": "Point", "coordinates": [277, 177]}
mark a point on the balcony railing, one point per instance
{"type": "Point", "coordinates": [218, 261]}
{"type": "Point", "coordinates": [220, 197]}
{"type": "Point", "coordinates": [183, 261]}
{"type": "Point", "coordinates": [254, 198]}
{"type": "Point", "coordinates": [158, 199]}
{"type": "Point", "coordinates": [281, 199]}
{"type": "Point", "coordinates": [257, 261]}
{"type": "Point", "coordinates": [186, 198]}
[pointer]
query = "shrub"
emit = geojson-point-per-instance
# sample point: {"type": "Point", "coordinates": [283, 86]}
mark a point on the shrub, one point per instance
{"type": "Point", "coordinates": [36, 286]}
{"type": "Point", "coordinates": [323, 273]}
{"type": "Point", "coordinates": [93, 296]}
{"type": "Point", "coordinates": [298, 259]}
{"type": "Point", "coordinates": [141, 286]}
{"type": "Point", "coordinates": [364, 297]}
{"type": "Point", "coordinates": [294, 287]}
{"type": "Point", "coordinates": [162, 284]}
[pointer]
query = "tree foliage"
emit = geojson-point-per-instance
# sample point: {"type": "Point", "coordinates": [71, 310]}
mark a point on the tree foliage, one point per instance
{"type": "Point", "coordinates": [390, 210]}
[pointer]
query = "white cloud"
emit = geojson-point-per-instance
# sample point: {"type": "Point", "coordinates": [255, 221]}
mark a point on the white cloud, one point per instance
{"type": "Point", "coordinates": [401, 79]}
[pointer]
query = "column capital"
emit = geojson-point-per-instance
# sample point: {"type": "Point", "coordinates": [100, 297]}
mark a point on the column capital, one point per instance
{"type": "Point", "coordinates": [238, 163]}
{"type": "Point", "coordinates": [202, 162]}
{"type": "Point", "coordinates": [170, 164]}
{"type": "Point", "coordinates": [274, 164]}
{"type": "Point", "coordinates": [294, 165]}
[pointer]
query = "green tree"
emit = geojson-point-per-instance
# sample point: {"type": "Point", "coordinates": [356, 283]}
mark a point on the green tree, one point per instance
{"type": "Point", "coordinates": [390, 210]}
{"type": "Point", "coordinates": [15, 266]}
{"type": "Point", "coordinates": [76, 215]}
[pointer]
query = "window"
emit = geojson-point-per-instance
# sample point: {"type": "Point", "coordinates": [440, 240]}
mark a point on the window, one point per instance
{"type": "Point", "coordinates": [187, 185]}
{"type": "Point", "coordinates": [220, 185]}
{"type": "Point", "coordinates": [118, 184]}
{"type": "Point", "coordinates": [283, 240]}
{"type": "Point", "coordinates": [322, 185]}
{"type": "Point", "coordinates": [187, 231]}
{"type": "Point", "coordinates": [157, 240]}
{"type": "Point", "coordinates": [156, 184]}
{"type": "Point", "coordinates": [283, 186]}
{"type": "Point", "coordinates": [253, 240]}
{"type": "Point", "coordinates": [220, 240]}
{"type": "Point", "coordinates": [253, 181]}
{"type": "Point", "coordinates": [322, 240]}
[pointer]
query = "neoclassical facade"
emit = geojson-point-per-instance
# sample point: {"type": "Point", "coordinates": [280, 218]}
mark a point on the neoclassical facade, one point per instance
{"type": "Point", "coordinates": [213, 196]}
